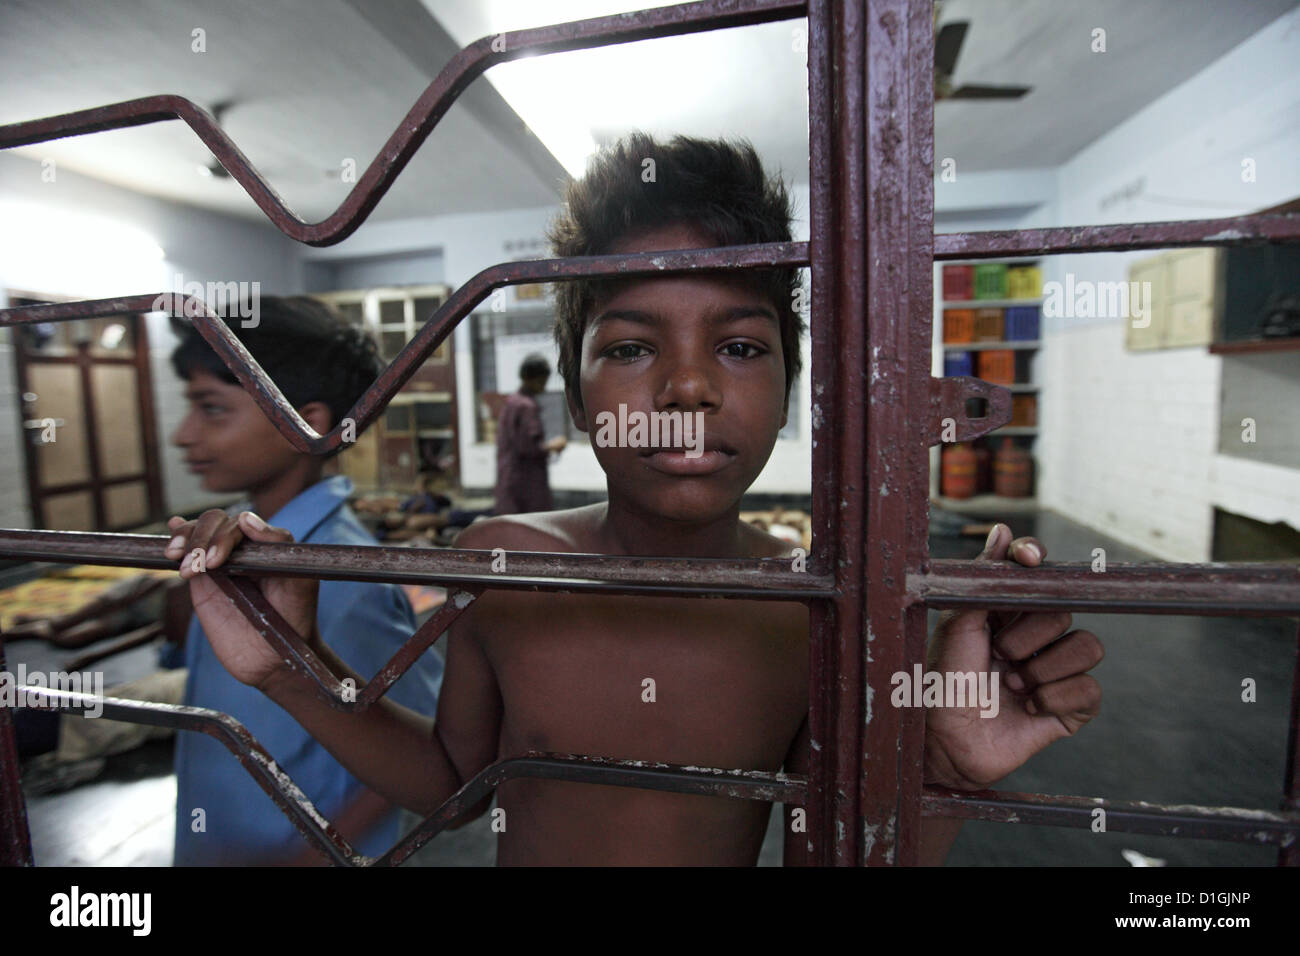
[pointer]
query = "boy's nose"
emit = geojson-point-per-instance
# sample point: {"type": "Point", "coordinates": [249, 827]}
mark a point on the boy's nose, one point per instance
{"type": "Point", "coordinates": [688, 387]}
{"type": "Point", "coordinates": [182, 436]}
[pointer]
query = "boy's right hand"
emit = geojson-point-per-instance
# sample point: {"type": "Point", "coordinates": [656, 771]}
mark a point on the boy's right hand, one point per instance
{"type": "Point", "coordinates": [237, 643]}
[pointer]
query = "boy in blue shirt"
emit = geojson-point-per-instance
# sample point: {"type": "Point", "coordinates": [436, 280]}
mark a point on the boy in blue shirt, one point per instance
{"type": "Point", "coordinates": [322, 366]}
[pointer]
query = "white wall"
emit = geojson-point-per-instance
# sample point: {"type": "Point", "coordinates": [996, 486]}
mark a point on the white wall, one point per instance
{"type": "Point", "coordinates": [199, 245]}
{"type": "Point", "coordinates": [1129, 441]}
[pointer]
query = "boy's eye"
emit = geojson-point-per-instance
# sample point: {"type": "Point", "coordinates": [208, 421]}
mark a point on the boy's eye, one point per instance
{"type": "Point", "coordinates": [743, 350]}
{"type": "Point", "coordinates": [628, 350]}
{"type": "Point", "coordinates": [209, 409]}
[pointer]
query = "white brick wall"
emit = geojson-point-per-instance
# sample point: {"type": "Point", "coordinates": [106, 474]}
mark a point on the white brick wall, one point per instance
{"type": "Point", "coordinates": [1128, 438]}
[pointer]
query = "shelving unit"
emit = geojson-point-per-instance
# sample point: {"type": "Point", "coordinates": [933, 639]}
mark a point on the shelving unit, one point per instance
{"type": "Point", "coordinates": [998, 346]}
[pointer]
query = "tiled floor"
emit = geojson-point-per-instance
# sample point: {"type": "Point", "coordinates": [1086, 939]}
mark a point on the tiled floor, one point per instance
{"type": "Point", "coordinates": [1173, 728]}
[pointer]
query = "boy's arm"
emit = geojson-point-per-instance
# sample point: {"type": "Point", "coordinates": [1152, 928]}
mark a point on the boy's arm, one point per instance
{"type": "Point", "coordinates": [390, 748]}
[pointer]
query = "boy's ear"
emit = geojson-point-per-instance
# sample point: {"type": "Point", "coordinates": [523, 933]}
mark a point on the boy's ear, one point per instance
{"type": "Point", "coordinates": [576, 411]}
{"type": "Point", "coordinates": [317, 415]}
{"type": "Point", "coordinates": [785, 410]}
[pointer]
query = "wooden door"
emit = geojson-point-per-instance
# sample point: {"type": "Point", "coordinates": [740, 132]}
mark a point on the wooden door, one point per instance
{"type": "Point", "coordinates": [86, 403]}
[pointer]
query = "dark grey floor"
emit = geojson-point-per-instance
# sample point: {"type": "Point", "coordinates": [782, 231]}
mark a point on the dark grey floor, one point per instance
{"type": "Point", "coordinates": [1172, 729]}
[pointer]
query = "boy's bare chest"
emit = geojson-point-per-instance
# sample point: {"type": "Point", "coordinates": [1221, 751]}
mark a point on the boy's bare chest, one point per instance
{"type": "Point", "coordinates": [719, 682]}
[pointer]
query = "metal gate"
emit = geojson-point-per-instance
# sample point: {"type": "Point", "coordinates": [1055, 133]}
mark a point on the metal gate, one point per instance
{"type": "Point", "coordinates": [869, 579]}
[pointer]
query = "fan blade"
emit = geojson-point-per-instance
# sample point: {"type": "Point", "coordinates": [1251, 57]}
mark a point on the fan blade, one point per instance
{"type": "Point", "coordinates": [947, 46]}
{"type": "Point", "coordinates": [973, 91]}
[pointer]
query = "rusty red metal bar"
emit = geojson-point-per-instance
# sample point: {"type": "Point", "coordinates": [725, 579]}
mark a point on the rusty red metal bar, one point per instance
{"type": "Point", "coordinates": [871, 249]}
{"type": "Point", "coordinates": [368, 407]}
{"type": "Point", "coordinates": [1239, 590]}
{"type": "Point", "coordinates": [1290, 855]}
{"type": "Point", "coordinates": [899, 104]}
{"type": "Point", "coordinates": [1260, 827]}
{"type": "Point", "coordinates": [690, 577]}
{"type": "Point", "coordinates": [647, 775]}
{"type": "Point", "coordinates": [15, 837]}
{"type": "Point", "coordinates": [1118, 237]}
{"type": "Point", "coordinates": [419, 121]}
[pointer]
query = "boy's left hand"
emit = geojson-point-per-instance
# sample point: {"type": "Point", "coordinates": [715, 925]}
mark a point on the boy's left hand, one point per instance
{"type": "Point", "coordinates": [1049, 696]}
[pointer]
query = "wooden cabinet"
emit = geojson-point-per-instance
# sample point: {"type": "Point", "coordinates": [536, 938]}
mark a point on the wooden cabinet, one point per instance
{"type": "Point", "coordinates": [418, 429]}
{"type": "Point", "coordinates": [1179, 287]}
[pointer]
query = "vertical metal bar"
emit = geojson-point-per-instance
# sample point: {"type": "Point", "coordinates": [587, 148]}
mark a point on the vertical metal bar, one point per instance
{"type": "Point", "coordinates": [825, 511]}
{"type": "Point", "coordinates": [899, 108]}
{"type": "Point", "coordinates": [15, 838]}
{"type": "Point", "coordinates": [144, 379]}
{"type": "Point", "coordinates": [85, 365]}
{"type": "Point", "coordinates": [1290, 855]}
{"type": "Point", "coordinates": [835, 50]}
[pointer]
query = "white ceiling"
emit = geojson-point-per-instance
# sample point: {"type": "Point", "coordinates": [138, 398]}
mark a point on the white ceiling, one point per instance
{"type": "Point", "coordinates": [315, 82]}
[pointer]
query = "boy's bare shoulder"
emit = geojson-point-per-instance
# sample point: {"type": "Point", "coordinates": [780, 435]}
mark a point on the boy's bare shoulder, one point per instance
{"type": "Point", "coordinates": [760, 544]}
{"type": "Point", "coordinates": [562, 531]}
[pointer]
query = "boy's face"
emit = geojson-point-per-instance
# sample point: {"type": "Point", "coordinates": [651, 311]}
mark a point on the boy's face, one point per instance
{"type": "Point", "coordinates": [688, 344]}
{"type": "Point", "coordinates": [227, 439]}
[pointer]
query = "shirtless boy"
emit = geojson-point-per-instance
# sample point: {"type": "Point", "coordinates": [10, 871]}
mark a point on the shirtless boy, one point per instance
{"type": "Point", "coordinates": [563, 673]}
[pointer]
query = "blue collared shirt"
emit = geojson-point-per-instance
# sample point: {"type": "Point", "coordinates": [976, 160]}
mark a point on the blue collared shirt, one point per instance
{"type": "Point", "coordinates": [364, 623]}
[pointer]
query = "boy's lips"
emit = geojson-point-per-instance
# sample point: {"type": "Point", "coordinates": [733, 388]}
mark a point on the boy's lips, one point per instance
{"type": "Point", "coordinates": [196, 465]}
{"type": "Point", "coordinates": [673, 461]}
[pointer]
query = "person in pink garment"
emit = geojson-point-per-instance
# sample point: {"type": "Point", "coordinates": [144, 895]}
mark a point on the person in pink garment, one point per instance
{"type": "Point", "coordinates": [522, 450]}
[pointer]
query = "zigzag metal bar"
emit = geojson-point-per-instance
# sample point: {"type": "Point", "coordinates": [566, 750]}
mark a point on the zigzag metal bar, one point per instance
{"type": "Point", "coordinates": [249, 601]}
{"type": "Point", "coordinates": [645, 775]}
{"type": "Point", "coordinates": [1233, 824]}
{"type": "Point", "coordinates": [368, 407]}
{"type": "Point", "coordinates": [232, 735]}
{"type": "Point", "coordinates": [741, 784]}
{"type": "Point", "coordinates": [420, 120]}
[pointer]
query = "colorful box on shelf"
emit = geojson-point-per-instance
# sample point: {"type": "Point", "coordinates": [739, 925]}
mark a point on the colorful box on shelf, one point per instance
{"type": "Point", "coordinates": [988, 325]}
{"type": "Point", "coordinates": [958, 325]}
{"type": "Point", "coordinates": [958, 363]}
{"type": "Point", "coordinates": [1024, 411]}
{"type": "Point", "coordinates": [990, 280]}
{"type": "Point", "coordinates": [996, 365]}
{"type": "Point", "coordinates": [1024, 282]}
{"type": "Point", "coordinates": [1021, 323]}
{"type": "Point", "coordinates": [957, 283]}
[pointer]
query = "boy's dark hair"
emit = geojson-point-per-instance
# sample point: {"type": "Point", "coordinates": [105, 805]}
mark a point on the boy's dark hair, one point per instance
{"type": "Point", "coordinates": [718, 186]}
{"type": "Point", "coordinates": [534, 366]}
{"type": "Point", "coordinates": [310, 353]}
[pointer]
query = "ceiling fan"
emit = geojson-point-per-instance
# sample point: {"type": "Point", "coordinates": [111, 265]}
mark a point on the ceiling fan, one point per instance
{"type": "Point", "coordinates": [947, 47]}
{"type": "Point", "coordinates": [304, 174]}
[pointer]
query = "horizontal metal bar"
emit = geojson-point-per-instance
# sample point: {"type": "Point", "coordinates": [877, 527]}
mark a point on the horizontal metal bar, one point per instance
{"type": "Point", "coordinates": [644, 775]}
{"type": "Point", "coordinates": [1240, 590]}
{"type": "Point", "coordinates": [432, 333]}
{"type": "Point", "coordinates": [759, 579]}
{"type": "Point", "coordinates": [1233, 231]}
{"type": "Point", "coordinates": [1230, 824]}
{"type": "Point", "coordinates": [423, 116]}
